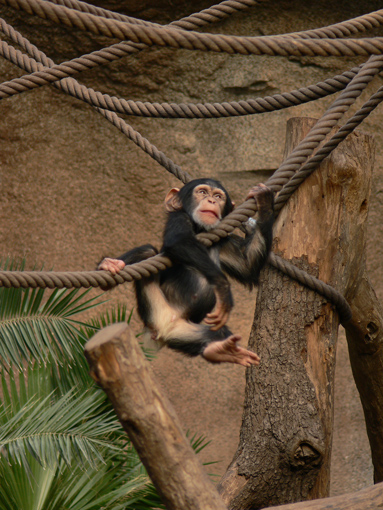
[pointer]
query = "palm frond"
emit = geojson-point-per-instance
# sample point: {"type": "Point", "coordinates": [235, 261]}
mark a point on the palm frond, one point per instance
{"type": "Point", "coordinates": [111, 316]}
{"type": "Point", "coordinates": [198, 443]}
{"type": "Point", "coordinates": [49, 427]}
{"type": "Point", "coordinates": [39, 324]}
{"type": "Point", "coordinates": [109, 485]}
{"type": "Point", "coordinates": [114, 484]}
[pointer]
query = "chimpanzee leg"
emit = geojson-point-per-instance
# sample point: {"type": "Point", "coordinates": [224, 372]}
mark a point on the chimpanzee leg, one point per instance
{"type": "Point", "coordinates": [167, 322]}
{"type": "Point", "coordinates": [164, 320]}
{"type": "Point", "coordinates": [143, 299]}
{"type": "Point", "coordinates": [169, 328]}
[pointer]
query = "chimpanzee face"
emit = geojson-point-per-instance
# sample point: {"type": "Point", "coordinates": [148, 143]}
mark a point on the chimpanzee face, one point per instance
{"type": "Point", "coordinates": [205, 201]}
{"type": "Point", "coordinates": [208, 205]}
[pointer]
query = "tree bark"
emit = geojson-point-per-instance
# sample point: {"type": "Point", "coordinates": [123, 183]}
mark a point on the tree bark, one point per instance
{"type": "Point", "coordinates": [365, 337]}
{"type": "Point", "coordinates": [286, 435]}
{"type": "Point", "coordinates": [118, 365]}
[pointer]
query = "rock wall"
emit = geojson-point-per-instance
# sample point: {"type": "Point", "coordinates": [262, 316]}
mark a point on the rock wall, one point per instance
{"type": "Point", "coordinates": [75, 189]}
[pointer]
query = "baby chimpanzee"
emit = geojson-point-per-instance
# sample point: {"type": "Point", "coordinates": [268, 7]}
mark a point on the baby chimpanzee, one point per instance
{"type": "Point", "coordinates": [187, 306]}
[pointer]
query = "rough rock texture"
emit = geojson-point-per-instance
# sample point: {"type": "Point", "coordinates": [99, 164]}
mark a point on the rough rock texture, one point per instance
{"type": "Point", "coordinates": [74, 188]}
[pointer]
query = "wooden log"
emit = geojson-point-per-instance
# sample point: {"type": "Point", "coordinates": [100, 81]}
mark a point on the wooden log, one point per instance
{"type": "Point", "coordinates": [365, 337]}
{"type": "Point", "coordinates": [285, 444]}
{"type": "Point", "coordinates": [370, 498]}
{"type": "Point", "coordinates": [117, 364]}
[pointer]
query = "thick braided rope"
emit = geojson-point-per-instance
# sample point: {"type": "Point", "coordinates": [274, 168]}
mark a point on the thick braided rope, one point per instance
{"type": "Point", "coordinates": [42, 76]}
{"type": "Point", "coordinates": [146, 146]}
{"type": "Point", "coordinates": [91, 60]}
{"type": "Point", "coordinates": [313, 283]}
{"type": "Point", "coordinates": [105, 55]}
{"type": "Point", "coordinates": [214, 13]}
{"type": "Point", "coordinates": [213, 110]}
{"type": "Point", "coordinates": [292, 185]}
{"type": "Point", "coordinates": [211, 15]}
{"type": "Point", "coordinates": [207, 16]}
{"type": "Point", "coordinates": [174, 38]}
{"type": "Point", "coordinates": [229, 7]}
{"type": "Point", "coordinates": [136, 137]}
{"type": "Point", "coordinates": [116, 51]}
{"type": "Point", "coordinates": [305, 148]}
{"type": "Point", "coordinates": [86, 279]}
{"type": "Point", "coordinates": [66, 84]}
{"type": "Point", "coordinates": [224, 9]}
{"type": "Point", "coordinates": [61, 14]}
{"type": "Point", "coordinates": [57, 72]}
{"type": "Point", "coordinates": [103, 279]}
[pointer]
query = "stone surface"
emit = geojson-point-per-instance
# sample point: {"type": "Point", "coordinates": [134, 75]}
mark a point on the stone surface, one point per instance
{"type": "Point", "coordinates": [75, 189]}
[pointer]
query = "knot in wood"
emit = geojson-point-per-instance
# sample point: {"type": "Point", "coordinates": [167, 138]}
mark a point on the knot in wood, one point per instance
{"type": "Point", "coordinates": [305, 454]}
{"type": "Point", "coordinates": [372, 341]}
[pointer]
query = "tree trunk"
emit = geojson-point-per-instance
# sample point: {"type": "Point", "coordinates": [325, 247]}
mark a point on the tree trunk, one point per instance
{"type": "Point", "coordinates": [286, 436]}
{"type": "Point", "coordinates": [364, 337]}
{"type": "Point", "coordinates": [118, 365]}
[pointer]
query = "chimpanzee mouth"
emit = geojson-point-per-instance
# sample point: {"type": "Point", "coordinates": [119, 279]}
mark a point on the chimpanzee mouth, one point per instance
{"type": "Point", "coordinates": [208, 211]}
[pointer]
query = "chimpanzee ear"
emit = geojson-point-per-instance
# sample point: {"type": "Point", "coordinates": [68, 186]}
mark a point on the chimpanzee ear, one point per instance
{"type": "Point", "coordinates": [172, 202]}
{"type": "Point", "coordinates": [230, 206]}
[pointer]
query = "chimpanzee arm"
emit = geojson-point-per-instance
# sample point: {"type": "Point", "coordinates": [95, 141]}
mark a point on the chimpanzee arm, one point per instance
{"type": "Point", "coordinates": [138, 254]}
{"type": "Point", "coordinates": [130, 257]}
{"type": "Point", "coordinates": [182, 247]}
{"type": "Point", "coordinates": [243, 258]}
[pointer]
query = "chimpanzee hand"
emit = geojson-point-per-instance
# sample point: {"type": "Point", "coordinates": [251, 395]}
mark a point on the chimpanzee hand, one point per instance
{"type": "Point", "coordinates": [230, 352]}
{"type": "Point", "coordinates": [114, 266]}
{"type": "Point", "coordinates": [219, 316]}
{"type": "Point", "coordinates": [263, 196]}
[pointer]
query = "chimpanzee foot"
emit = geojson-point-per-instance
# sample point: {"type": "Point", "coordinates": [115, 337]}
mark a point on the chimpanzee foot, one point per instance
{"type": "Point", "coordinates": [228, 351]}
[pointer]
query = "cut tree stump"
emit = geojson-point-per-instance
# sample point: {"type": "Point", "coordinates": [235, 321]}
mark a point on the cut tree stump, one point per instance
{"type": "Point", "coordinates": [285, 443]}
{"type": "Point", "coordinates": [118, 365]}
